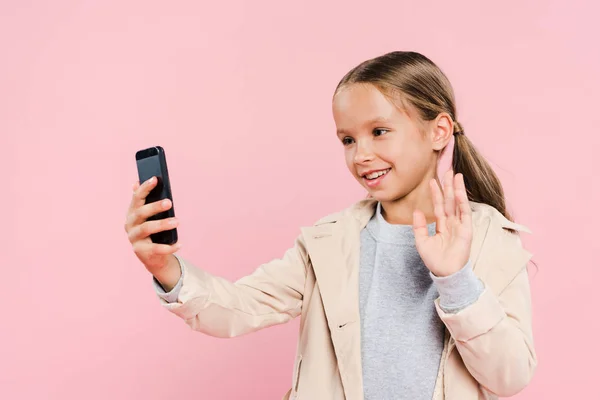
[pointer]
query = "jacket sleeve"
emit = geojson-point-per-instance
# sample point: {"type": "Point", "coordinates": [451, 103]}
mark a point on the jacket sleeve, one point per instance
{"type": "Point", "coordinates": [494, 337]}
{"type": "Point", "coordinates": [271, 295]}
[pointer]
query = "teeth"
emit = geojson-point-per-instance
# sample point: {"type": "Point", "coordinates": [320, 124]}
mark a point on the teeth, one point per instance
{"type": "Point", "coordinates": [376, 174]}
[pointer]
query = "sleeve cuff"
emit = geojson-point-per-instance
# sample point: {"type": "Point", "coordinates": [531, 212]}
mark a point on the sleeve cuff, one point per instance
{"type": "Point", "coordinates": [171, 296]}
{"type": "Point", "coordinates": [459, 290]}
{"type": "Point", "coordinates": [475, 320]}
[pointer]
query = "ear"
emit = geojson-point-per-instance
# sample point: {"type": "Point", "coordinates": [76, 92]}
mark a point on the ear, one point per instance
{"type": "Point", "coordinates": [441, 129]}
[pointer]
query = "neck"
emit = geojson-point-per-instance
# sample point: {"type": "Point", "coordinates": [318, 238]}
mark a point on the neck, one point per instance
{"type": "Point", "coordinates": [400, 211]}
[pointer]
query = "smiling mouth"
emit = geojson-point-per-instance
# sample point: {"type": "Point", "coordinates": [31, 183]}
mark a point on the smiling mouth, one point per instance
{"type": "Point", "coordinates": [374, 175]}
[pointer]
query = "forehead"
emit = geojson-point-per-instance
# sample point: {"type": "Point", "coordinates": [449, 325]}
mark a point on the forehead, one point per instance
{"type": "Point", "coordinates": [358, 104]}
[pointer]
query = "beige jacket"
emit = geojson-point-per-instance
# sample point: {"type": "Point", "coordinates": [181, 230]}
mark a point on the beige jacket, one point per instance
{"type": "Point", "coordinates": [488, 351]}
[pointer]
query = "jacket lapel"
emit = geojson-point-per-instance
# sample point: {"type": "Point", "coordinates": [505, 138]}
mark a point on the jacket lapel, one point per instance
{"type": "Point", "coordinates": [334, 249]}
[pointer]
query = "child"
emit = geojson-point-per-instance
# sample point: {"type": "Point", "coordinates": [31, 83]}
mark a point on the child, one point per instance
{"type": "Point", "coordinates": [413, 293]}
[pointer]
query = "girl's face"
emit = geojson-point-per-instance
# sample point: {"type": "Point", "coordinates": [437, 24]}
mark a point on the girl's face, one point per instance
{"type": "Point", "coordinates": [386, 150]}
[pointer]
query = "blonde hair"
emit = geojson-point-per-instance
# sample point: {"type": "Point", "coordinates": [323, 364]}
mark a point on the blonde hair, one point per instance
{"type": "Point", "coordinates": [412, 77]}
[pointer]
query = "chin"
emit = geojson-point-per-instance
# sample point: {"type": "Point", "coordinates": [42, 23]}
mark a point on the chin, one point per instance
{"type": "Point", "coordinates": [379, 195]}
{"type": "Point", "coordinates": [384, 196]}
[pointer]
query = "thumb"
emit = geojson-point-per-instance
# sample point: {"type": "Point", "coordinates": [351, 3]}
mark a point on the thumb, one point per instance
{"type": "Point", "coordinates": [420, 226]}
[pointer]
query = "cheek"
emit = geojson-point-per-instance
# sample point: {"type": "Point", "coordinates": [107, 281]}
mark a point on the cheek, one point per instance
{"type": "Point", "coordinates": [349, 156]}
{"type": "Point", "coordinates": [404, 159]}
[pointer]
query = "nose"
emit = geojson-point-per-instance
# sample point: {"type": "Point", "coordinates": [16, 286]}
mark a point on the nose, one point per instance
{"type": "Point", "coordinates": [364, 152]}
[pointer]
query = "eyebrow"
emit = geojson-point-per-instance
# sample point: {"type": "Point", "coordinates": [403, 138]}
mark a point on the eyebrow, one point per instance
{"type": "Point", "coordinates": [369, 122]}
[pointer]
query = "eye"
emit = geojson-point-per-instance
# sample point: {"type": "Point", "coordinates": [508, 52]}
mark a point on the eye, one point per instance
{"type": "Point", "coordinates": [347, 140]}
{"type": "Point", "coordinates": [377, 130]}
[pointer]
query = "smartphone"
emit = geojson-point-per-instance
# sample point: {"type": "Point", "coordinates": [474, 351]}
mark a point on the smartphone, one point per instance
{"type": "Point", "coordinates": [153, 162]}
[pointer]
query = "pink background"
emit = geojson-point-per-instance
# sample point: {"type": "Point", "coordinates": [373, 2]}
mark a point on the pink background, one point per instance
{"type": "Point", "coordinates": [238, 93]}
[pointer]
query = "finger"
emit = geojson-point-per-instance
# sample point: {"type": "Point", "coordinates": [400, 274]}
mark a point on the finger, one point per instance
{"type": "Point", "coordinates": [463, 199]}
{"type": "Point", "coordinates": [156, 248]}
{"type": "Point", "coordinates": [146, 229]}
{"type": "Point", "coordinates": [148, 210]}
{"type": "Point", "coordinates": [138, 199]}
{"type": "Point", "coordinates": [164, 249]}
{"type": "Point", "coordinates": [134, 187]}
{"type": "Point", "coordinates": [141, 192]}
{"type": "Point", "coordinates": [449, 203]}
{"type": "Point", "coordinates": [139, 215]}
{"type": "Point", "coordinates": [438, 206]}
{"type": "Point", "coordinates": [420, 225]}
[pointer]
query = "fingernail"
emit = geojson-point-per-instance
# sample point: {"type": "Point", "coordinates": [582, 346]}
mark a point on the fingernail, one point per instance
{"type": "Point", "coordinates": [165, 203]}
{"type": "Point", "coordinates": [150, 180]}
{"type": "Point", "coordinates": [173, 222]}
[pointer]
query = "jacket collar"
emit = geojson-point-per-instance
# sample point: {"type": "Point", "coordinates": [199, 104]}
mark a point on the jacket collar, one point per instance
{"type": "Point", "coordinates": [333, 244]}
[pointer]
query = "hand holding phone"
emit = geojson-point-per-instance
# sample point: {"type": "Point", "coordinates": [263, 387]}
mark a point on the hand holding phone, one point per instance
{"type": "Point", "coordinates": [145, 222]}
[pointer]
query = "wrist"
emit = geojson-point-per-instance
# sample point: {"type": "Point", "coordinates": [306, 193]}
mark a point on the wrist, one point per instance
{"type": "Point", "coordinates": [169, 275]}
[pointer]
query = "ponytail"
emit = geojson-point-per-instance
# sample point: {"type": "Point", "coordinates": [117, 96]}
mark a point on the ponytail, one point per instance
{"type": "Point", "coordinates": [481, 182]}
